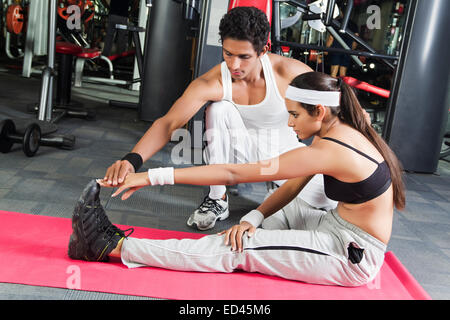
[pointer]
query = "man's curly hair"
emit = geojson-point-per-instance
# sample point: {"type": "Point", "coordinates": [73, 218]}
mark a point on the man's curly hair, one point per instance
{"type": "Point", "coordinates": [246, 23]}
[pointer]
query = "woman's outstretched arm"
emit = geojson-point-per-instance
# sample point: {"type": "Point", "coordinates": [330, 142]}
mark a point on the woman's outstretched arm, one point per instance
{"type": "Point", "coordinates": [301, 162]}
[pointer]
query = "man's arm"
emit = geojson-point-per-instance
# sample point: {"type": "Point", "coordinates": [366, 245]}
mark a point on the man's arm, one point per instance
{"type": "Point", "coordinates": [199, 92]}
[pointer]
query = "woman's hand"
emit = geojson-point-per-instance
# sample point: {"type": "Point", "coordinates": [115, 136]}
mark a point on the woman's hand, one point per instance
{"type": "Point", "coordinates": [233, 236]}
{"type": "Point", "coordinates": [132, 182]}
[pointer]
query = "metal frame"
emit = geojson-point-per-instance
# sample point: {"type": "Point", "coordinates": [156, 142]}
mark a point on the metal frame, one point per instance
{"type": "Point", "coordinates": [46, 99]}
{"type": "Point", "coordinates": [137, 33]}
{"type": "Point", "coordinates": [36, 34]}
{"type": "Point", "coordinates": [331, 25]}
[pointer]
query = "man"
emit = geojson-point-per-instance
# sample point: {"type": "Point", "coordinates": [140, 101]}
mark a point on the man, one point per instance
{"type": "Point", "coordinates": [118, 14]}
{"type": "Point", "coordinates": [340, 62]}
{"type": "Point", "coordinates": [247, 119]}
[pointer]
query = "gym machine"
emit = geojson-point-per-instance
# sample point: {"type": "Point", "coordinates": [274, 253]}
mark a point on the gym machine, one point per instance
{"type": "Point", "coordinates": [419, 93]}
{"type": "Point", "coordinates": [25, 31]}
{"type": "Point", "coordinates": [135, 32]}
{"type": "Point", "coordinates": [167, 20]}
{"type": "Point", "coordinates": [320, 16]}
{"type": "Point", "coordinates": [37, 132]}
{"type": "Point", "coordinates": [94, 52]}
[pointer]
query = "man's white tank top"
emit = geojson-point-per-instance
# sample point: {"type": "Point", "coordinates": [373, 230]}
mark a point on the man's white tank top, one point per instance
{"type": "Point", "coordinates": [267, 124]}
{"type": "Point", "coordinates": [266, 121]}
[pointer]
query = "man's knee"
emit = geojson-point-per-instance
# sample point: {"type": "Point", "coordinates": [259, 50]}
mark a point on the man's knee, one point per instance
{"type": "Point", "coordinates": [219, 110]}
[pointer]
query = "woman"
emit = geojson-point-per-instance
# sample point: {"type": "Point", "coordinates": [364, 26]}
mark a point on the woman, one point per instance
{"type": "Point", "coordinates": [344, 246]}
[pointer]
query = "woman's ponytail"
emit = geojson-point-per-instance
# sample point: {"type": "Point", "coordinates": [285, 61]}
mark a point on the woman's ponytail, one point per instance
{"type": "Point", "coordinates": [352, 114]}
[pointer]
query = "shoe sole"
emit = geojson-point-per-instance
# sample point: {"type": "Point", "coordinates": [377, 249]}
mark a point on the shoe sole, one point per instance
{"type": "Point", "coordinates": [220, 217]}
{"type": "Point", "coordinates": [77, 244]}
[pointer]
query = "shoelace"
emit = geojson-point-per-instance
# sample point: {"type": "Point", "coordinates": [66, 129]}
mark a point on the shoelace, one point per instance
{"type": "Point", "coordinates": [210, 205]}
{"type": "Point", "coordinates": [103, 223]}
{"type": "Point", "coordinates": [111, 230]}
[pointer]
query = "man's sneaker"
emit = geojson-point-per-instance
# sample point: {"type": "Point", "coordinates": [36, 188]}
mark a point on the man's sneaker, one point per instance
{"type": "Point", "coordinates": [206, 215]}
{"type": "Point", "coordinates": [94, 236]}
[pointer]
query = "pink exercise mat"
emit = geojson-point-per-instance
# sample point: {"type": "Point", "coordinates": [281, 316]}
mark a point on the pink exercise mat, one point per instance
{"type": "Point", "coordinates": [34, 252]}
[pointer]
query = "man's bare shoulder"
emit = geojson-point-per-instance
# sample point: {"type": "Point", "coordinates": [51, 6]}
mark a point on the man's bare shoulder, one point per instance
{"type": "Point", "coordinates": [287, 68]}
{"type": "Point", "coordinates": [209, 84]}
{"type": "Point", "coordinates": [213, 74]}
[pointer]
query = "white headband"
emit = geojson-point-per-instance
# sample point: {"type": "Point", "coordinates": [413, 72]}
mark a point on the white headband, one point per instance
{"type": "Point", "coordinates": [325, 98]}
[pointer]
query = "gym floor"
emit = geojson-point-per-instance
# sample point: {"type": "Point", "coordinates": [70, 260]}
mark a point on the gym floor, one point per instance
{"type": "Point", "coordinates": [51, 182]}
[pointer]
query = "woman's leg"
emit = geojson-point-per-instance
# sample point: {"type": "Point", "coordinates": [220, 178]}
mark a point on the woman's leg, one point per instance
{"type": "Point", "coordinates": [315, 256]}
{"type": "Point", "coordinates": [330, 251]}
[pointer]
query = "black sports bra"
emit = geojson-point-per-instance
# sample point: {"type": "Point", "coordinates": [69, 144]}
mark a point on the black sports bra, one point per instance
{"type": "Point", "coordinates": [362, 191]}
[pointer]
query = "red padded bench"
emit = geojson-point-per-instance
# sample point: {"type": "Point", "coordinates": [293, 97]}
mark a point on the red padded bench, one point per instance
{"type": "Point", "coordinates": [94, 53]}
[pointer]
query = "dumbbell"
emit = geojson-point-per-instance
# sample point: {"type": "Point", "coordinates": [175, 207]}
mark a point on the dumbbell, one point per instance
{"type": "Point", "coordinates": [31, 138]}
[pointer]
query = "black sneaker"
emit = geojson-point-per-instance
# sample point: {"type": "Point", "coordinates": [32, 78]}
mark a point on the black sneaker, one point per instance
{"type": "Point", "coordinates": [94, 236]}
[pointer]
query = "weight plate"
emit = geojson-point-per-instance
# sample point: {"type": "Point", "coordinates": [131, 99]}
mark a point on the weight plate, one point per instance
{"type": "Point", "coordinates": [31, 139]}
{"type": "Point", "coordinates": [14, 19]}
{"type": "Point", "coordinates": [7, 127]}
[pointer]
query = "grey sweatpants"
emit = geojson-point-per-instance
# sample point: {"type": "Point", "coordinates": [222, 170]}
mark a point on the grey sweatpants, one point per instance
{"type": "Point", "coordinates": [306, 245]}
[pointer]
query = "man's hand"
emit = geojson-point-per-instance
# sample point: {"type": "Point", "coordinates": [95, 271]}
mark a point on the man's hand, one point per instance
{"type": "Point", "coordinates": [233, 236]}
{"type": "Point", "coordinates": [117, 172]}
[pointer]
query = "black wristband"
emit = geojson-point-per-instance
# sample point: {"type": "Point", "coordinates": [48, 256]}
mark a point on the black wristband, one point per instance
{"type": "Point", "coordinates": [135, 159]}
